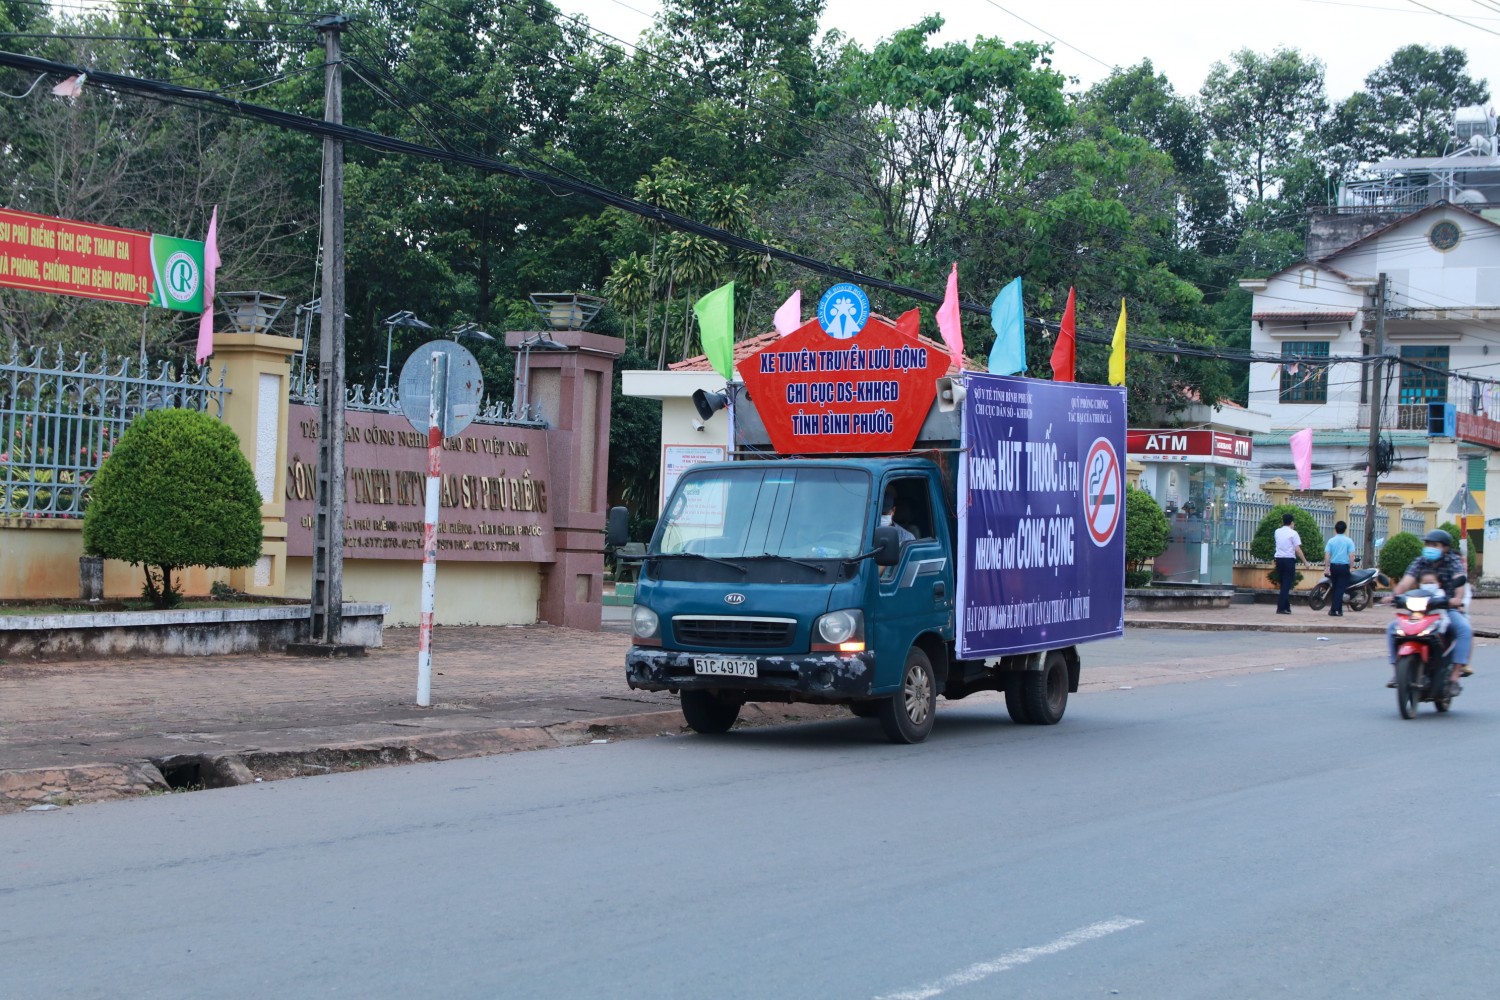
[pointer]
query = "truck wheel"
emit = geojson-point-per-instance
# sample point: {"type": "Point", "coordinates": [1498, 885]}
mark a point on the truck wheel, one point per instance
{"type": "Point", "coordinates": [707, 713]}
{"type": "Point", "coordinates": [907, 715]}
{"type": "Point", "coordinates": [1045, 692]}
{"type": "Point", "coordinates": [1015, 700]}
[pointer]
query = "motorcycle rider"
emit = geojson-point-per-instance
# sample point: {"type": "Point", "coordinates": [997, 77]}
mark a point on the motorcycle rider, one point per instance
{"type": "Point", "coordinates": [1438, 558]}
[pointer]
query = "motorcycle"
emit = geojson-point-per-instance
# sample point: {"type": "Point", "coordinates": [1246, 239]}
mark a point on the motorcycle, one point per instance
{"type": "Point", "coordinates": [1423, 653]}
{"type": "Point", "coordinates": [1358, 594]}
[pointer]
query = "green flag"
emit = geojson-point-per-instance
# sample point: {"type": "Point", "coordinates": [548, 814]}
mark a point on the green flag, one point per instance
{"type": "Point", "coordinates": [177, 267]}
{"type": "Point", "coordinates": [715, 312]}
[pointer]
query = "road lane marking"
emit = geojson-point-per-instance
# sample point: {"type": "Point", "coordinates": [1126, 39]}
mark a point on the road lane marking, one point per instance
{"type": "Point", "coordinates": [1011, 959]}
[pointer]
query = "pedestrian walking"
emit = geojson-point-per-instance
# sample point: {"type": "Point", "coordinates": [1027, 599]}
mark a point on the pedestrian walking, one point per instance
{"type": "Point", "coordinates": [1338, 552]}
{"type": "Point", "coordinates": [1288, 554]}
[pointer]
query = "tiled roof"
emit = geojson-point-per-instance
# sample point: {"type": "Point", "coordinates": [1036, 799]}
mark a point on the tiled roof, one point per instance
{"type": "Point", "coordinates": [1377, 233]}
{"type": "Point", "coordinates": [1307, 316]}
{"type": "Point", "coordinates": [744, 348]}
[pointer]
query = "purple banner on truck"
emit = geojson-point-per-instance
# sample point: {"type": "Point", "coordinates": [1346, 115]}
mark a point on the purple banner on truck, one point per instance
{"type": "Point", "coordinates": [1041, 515]}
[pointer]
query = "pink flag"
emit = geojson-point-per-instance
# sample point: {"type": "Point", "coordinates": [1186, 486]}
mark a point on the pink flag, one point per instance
{"type": "Point", "coordinates": [71, 87]}
{"type": "Point", "coordinates": [210, 265]}
{"type": "Point", "coordinates": [948, 322]}
{"type": "Point", "coordinates": [789, 316]}
{"type": "Point", "coordinates": [1301, 443]}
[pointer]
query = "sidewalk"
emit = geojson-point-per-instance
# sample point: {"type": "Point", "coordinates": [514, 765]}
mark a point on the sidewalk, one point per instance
{"type": "Point", "coordinates": [92, 730]}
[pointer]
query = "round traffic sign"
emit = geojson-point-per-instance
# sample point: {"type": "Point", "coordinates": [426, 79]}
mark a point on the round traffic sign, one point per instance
{"type": "Point", "coordinates": [1102, 500]}
{"type": "Point", "coordinates": [465, 387]}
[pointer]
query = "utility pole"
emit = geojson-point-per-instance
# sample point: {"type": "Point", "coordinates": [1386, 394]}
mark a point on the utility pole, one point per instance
{"type": "Point", "coordinates": [328, 530]}
{"type": "Point", "coordinates": [1377, 392]}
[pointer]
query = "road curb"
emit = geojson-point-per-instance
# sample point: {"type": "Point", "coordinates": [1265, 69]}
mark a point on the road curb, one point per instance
{"type": "Point", "coordinates": [1258, 627]}
{"type": "Point", "coordinates": [23, 788]}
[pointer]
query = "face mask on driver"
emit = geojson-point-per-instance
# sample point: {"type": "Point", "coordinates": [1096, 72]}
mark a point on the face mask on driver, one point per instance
{"type": "Point", "coordinates": [1430, 552]}
{"type": "Point", "coordinates": [886, 520]}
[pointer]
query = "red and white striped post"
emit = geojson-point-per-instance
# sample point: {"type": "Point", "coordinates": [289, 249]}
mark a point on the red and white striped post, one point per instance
{"type": "Point", "coordinates": [437, 413]}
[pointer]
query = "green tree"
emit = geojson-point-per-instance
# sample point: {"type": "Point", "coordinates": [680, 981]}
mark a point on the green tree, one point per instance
{"type": "Point", "coordinates": [175, 492]}
{"type": "Point", "coordinates": [1142, 102]}
{"type": "Point", "coordinates": [939, 131]}
{"type": "Point", "coordinates": [1264, 113]}
{"type": "Point", "coordinates": [1397, 553]}
{"type": "Point", "coordinates": [1407, 105]}
{"type": "Point", "coordinates": [1263, 545]}
{"type": "Point", "coordinates": [1146, 530]}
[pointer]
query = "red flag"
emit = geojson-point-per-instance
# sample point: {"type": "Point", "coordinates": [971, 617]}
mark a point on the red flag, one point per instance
{"type": "Point", "coordinates": [1065, 350]}
{"type": "Point", "coordinates": [948, 321]}
{"type": "Point", "coordinates": [210, 265]}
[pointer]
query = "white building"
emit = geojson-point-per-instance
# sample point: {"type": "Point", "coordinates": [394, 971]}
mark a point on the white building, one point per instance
{"type": "Point", "coordinates": [1442, 265]}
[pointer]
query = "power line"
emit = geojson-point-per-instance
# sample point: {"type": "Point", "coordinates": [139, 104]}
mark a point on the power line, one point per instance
{"type": "Point", "coordinates": [1049, 34]}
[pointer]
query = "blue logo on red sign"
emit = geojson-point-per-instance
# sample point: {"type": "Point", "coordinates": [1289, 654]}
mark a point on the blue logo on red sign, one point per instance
{"type": "Point", "coordinates": [843, 311]}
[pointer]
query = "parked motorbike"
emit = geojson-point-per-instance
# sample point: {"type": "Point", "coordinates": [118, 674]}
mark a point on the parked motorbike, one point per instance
{"type": "Point", "coordinates": [1358, 595]}
{"type": "Point", "coordinates": [1423, 653]}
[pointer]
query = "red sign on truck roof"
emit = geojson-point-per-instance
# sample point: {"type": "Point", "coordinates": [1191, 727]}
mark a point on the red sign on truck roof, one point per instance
{"type": "Point", "coordinates": [869, 393]}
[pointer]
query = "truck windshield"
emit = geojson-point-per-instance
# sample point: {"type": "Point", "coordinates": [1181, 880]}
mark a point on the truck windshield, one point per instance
{"type": "Point", "coordinates": [767, 511]}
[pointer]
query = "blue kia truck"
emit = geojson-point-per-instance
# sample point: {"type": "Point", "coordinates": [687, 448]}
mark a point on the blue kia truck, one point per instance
{"type": "Point", "coordinates": [974, 553]}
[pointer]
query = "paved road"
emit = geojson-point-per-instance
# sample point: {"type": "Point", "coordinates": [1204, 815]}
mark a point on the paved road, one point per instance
{"type": "Point", "coordinates": [1257, 835]}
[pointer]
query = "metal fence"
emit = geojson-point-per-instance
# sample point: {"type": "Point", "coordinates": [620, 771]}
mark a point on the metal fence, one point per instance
{"type": "Point", "coordinates": [1357, 527]}
{"type": "Point", "coordinates": [304, 388]}
{"type": "Point", "coordinates": [59, 420]}
{"type": "Point", "coordinates": [1249, 509]}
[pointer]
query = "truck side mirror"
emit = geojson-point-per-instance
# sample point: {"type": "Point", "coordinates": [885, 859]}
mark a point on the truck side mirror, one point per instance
{"type": "Point", "coordinates": [887, 546]}
{"type": "Point", "coordinates": [617, 527]}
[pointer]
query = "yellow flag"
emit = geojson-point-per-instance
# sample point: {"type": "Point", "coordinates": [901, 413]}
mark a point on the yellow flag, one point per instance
{"type": "Point", "coordinates": [1117, 351]}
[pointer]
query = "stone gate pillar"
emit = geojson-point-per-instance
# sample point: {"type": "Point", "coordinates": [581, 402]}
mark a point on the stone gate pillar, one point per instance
{"type": "Point", "coordinates": [258, 369]}
{"type": "Point", "coordinates": [570, 390]}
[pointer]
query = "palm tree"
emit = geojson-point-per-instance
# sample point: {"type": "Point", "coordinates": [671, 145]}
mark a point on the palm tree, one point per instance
{"type": "Point", "coordinates": [694, 259]}
{"type": "Point", "coordinates": [628, 289]}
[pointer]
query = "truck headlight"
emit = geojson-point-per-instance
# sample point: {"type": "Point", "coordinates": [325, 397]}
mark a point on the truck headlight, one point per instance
{"type": "Point", "coordinates": [843, 631]}
{"type": "Point", "coordinates": [644, 622]}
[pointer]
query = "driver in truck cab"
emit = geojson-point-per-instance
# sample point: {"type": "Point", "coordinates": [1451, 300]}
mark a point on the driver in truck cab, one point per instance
{"type": "Point", "coordinates": [888, 515]}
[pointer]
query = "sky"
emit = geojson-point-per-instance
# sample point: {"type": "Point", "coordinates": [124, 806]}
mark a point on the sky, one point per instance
{"type": "Point", "coordinates": [1182, 39]}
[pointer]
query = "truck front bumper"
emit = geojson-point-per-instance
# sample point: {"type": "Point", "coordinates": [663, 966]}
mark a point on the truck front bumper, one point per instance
{"type": "Point", "coordinates": [814, 677]}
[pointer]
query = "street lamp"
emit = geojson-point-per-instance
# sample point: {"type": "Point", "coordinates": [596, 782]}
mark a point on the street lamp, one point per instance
{"type": "Point", "coordinates": [471, 331]}
{"type": "Point", "coordinates": [537, 341]}
{"type": "Point", "coordinates": [403, 318]}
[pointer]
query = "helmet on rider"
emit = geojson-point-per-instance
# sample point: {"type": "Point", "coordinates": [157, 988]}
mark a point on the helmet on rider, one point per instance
{"type": "Point", "coordinates": [1438, 535]}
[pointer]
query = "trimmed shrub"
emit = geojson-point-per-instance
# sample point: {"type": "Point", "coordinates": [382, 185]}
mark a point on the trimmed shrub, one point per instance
{"type": "Point", "coordinates": [1145, 534]}
{"type": "Point", "coordinates": [1263, 545]}
{"type": "Point", "coordinates": [1397, 553]}
{"type": "Point", "coordinates": [175, 492]}
{"type": "Point", "coordinates": [1452, 529]}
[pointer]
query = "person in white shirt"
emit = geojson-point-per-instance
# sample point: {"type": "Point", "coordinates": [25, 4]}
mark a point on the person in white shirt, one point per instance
{"type": "Point", "coordinates": [1288, 554]}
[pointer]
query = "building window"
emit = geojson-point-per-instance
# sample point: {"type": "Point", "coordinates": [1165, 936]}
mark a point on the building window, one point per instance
{"type": "Point", "coordinates": [1304, 371]}
{"type": "Point", "coordinates": [1307, 278]}
{"type": "Point", "coordinates": [1420, 386]}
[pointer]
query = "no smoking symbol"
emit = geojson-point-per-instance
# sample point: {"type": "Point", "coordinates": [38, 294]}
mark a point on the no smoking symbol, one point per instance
{"type": "Point", "coordinates": [1101, 495]}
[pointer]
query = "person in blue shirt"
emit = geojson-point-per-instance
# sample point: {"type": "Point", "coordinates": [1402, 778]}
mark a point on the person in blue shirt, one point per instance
{"type": "Point", "coordinates": [1339, 552]}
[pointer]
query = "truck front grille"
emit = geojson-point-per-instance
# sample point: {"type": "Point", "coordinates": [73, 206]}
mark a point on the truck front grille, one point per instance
{"type": "Point", "coordinates": [733, 632]}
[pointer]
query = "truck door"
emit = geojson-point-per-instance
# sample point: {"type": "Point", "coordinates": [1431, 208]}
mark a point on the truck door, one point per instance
{"type": "Point", "coordinates": [916, 595]}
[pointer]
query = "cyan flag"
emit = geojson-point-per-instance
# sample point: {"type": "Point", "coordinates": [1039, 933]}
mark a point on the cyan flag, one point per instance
{"type": "Point", "coordinates": [1008, 317]}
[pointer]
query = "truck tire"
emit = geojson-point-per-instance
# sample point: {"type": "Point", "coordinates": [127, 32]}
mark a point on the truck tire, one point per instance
{"type": "Point", "coordinates": [1015, 700]}
{"type": "Point", "coordinates": [907, 715]}
{"type": "Point", "coordinates": [1045, 692]}
{"type": "Point", "coordinates": [707, 713]}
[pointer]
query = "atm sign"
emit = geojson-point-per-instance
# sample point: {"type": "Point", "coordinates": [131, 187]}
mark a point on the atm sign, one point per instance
{"type": "Point", "coordinates": [1212, 447]}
